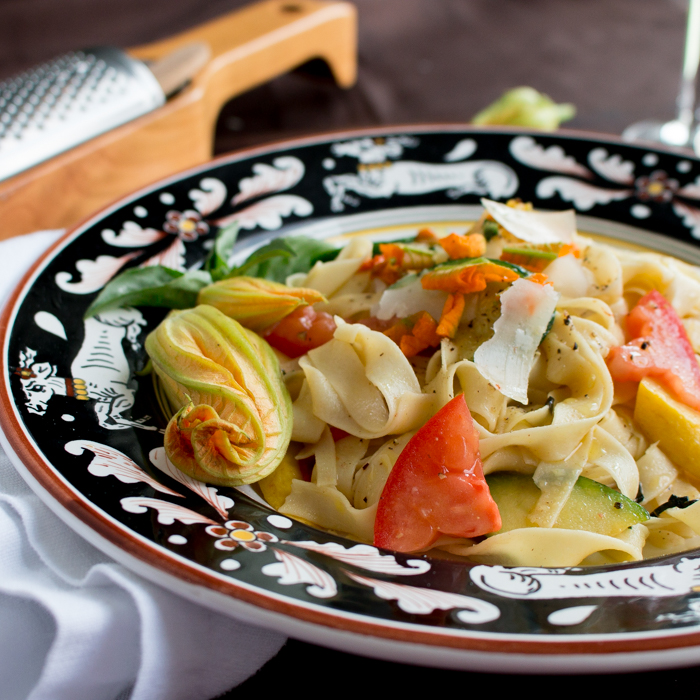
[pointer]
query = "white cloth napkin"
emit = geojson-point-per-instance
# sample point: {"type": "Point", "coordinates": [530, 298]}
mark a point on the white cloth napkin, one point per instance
{"type": "Point", "coordinates": [75, 625]}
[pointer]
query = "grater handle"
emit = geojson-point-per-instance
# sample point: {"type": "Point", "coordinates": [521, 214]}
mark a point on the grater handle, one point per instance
{"type": "Point", "coordinates": [251, 46]}
{"type": "Point", "coordinates": [247, 47]}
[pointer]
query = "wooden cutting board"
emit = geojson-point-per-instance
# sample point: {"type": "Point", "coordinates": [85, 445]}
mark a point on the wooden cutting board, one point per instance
{"type": "Point", "coordinates": [246, 48]}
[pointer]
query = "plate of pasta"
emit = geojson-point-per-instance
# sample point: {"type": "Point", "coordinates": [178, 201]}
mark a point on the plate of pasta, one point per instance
{"type": "Point", "coordinates": [429, 394]}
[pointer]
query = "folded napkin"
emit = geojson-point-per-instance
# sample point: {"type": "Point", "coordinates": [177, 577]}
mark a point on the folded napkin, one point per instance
{"type": "Point", "coordinates": [75, 625]}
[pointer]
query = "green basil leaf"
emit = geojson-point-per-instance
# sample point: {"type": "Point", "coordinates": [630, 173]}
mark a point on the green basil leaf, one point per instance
{"type": "Point", "coordinates": [151, 286]}
{"type": "Point", "coordinates": [285, 256]}
{"type": "Point", "coordinates": [217, 261]}
{"type": "Point", "coordinates": [257, 261]}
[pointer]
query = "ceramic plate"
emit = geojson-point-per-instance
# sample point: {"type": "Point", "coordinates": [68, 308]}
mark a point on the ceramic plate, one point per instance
{"type": "Point", "coordinates": [85, 429]}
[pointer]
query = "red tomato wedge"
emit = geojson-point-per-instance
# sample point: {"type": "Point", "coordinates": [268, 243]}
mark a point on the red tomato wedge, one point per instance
{"type": "Point", "coordinates": [660, 348]}
{"type": "Point", "coordinates": [302, 330]}
{"type": "Point", "coordinates": [437, 486]}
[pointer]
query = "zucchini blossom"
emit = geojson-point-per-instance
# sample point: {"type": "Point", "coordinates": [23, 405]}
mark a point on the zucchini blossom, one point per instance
{"type": "Point", "coordinates": [232, 419]}
{"type": "Point", "coordinates": [256, 303]}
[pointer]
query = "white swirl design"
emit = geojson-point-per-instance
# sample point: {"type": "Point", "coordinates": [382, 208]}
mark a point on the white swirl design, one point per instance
{"type": "Point", "coordinates": [292, 570]}
{"type": "Point", "coordinates": [366, 557]}
{"type": "Point", "coordinates": [423, 601]}
{"type": "Point", "coordinates": [110, 462]}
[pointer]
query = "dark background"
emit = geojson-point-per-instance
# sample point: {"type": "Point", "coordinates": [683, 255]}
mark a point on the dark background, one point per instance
{"type": "Point", "coordinates": [618, 61]}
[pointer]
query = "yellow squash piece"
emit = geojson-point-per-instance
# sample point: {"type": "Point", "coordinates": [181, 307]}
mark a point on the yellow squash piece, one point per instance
{"type": "Point", "coordinates": [675, 426]}
{"type": "Point", "coordinates": [278, 485]}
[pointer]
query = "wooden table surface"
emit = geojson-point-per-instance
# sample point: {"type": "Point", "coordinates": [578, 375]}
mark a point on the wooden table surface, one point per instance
{"type": "Point", "coordinates": [618, 61]}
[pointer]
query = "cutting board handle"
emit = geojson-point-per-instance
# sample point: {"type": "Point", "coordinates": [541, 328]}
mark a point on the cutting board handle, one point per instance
{"type": "Point", "coordinates": [245, 48]}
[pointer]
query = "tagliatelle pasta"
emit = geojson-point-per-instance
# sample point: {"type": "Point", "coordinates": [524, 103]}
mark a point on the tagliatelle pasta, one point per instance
{"type": "Point", "coordinates": [564, 447]}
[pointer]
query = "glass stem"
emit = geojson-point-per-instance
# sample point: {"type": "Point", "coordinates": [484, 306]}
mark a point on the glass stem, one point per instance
{"type": "Point", "coordinates": [691, 59]}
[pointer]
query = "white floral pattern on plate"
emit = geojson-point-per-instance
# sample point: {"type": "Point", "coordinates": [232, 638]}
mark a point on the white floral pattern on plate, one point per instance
{"type": "Point", "coordinates": [222, 504]}
{"type": "Point", "coordinates": [269, 213]}
{"type": "Point", "coordinates": [168, 513]}
{"type": "Point", "coordinates": [285, 172]}
{"type": "Point", "coordinates": [210, 195]}
{"type": "Point", "coordinates": [423, 601]}
{"type": "Point", "coordinates": [237, 533]}
{"type": "Point", "coordinates": [108, 461]}
{"type": "Point", "coordinates": [366, 557]}
{"type": "Point", "coordinates": [291, 570]}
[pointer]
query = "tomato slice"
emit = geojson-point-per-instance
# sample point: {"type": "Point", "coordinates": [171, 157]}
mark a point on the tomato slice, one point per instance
{"type": "Point", "coordinates": [302, 330]}
{"type": "Point", "coordinates": [437, 486]}
{"type": "Point", "coordinates": [659, 348]}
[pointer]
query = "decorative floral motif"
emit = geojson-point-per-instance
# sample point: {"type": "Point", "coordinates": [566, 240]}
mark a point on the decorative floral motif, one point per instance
{"type": "Point", "coordinates": [188, 224]}
{"type": "Point", "coordinates": [582, 195]}
{"type": "Point", "coordinates": [268, 213]}
{"type": "Point", "coordinates": [614, 168]}
{"type": "Point", "coordinates": [237, 533]}
{"type": "Point", "coordinates": [366, 557]}
{"type": "Point", "coordinates": [423, 601]}
{"type": "Point", "coordinates": [658, 187]}
{"type": "Point", "coordinates": [285, 172]}
{"type": "Point", "coordinates": [222, 504]}
{"type": "Point", "coordinates": [209, 197]}
{"type": "Point", "coordinates": [553, 159]}
{"type": "Point", "coordinates": [168, 513]}
{"type": "Point", "coordinates": [173, 256]}
{"type": "Point", "coordinates": [94, 274]}
{"type": "Point", "coordinates": [655, 187]}
{"type": "Point", "coordinates": [291, 570]}
{"type": "Point", "coordinates": [132, 235]}
{"type": "Point", "coordinates": [110, 462]}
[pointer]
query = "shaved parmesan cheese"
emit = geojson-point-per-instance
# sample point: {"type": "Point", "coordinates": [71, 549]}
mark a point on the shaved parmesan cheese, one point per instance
{"type": "Point", "coordinates": [534, 226]}
{"type": "Point", "coordinates": [407, 298]}
{"type": "Point", "coordinates": [569, 276]}
{"type": "Point", "coordinates": [507, 358]}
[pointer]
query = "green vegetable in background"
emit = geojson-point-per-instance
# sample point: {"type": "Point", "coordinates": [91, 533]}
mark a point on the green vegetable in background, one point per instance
{"type": "Point", "coordinates": [524, 106]}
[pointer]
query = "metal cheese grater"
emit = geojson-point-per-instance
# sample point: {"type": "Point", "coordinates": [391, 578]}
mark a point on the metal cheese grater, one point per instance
{"type": "Point", "coordinates": [55, 106]}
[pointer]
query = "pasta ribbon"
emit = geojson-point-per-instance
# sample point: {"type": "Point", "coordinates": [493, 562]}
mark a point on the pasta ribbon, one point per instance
{"type": "Point", "coordinates": [537, 546]}
{"type": "Point", "coordinates": [329, 508]}
{"type": "Point", "coordinates": [329, 277]}
{"type": "Point", "coordinates": [362, 383]}
{"type": "Point", "coordinates": [572, 361]}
